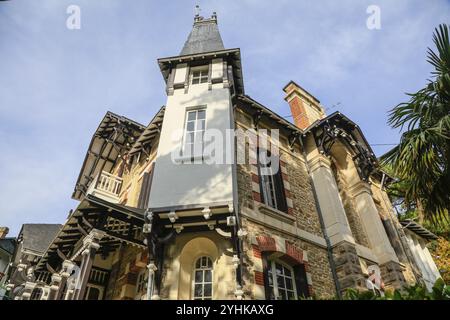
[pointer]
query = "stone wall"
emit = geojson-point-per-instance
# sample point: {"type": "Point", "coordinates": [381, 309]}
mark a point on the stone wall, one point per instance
{"type": "Point", "coordinates": [318, 267]}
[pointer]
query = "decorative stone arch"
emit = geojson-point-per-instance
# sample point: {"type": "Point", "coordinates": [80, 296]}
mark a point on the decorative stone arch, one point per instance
{"type": "Point", "coordinates": [192, 250]}
{"type": "Point", "coordinates": [282, 249]}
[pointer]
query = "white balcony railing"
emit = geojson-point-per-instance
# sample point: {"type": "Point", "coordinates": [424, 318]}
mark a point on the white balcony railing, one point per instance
{"type": "Point", "coordinates": [106, 186]}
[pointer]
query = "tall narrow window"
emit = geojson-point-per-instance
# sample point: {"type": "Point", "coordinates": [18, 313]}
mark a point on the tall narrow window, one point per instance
{"type": "Point", "coordinates": [199, 75]}
{"type": "Point", "coordinates": [194, 132]}
{"type": "Point", "coordinates": [281, 281]}
{"type": "Point", "coordinates": [141, 283]}
{"type": "Point", "coordinates": [271, 183]}
{"type": "Point", "coordinates": [203, 275]}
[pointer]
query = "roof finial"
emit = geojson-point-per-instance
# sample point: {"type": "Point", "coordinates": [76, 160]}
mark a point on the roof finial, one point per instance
{"type": "Point", "coordinates": [197, 13]}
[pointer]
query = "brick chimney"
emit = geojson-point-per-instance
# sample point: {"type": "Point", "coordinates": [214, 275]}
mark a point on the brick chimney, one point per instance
{"type": "Point", "coordinates": [305, 108]}
{"type": "Point", "coordinates": [3, 232]}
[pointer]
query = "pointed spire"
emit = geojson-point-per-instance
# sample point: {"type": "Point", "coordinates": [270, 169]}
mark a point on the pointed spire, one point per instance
{"type": "Point", "coordinates": [204, 37]}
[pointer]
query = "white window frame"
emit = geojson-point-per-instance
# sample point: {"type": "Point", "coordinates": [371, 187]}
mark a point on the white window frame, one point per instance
{"type": "Point", "coordinates": [203, 282]}
{"type": "Point", "coordinates": [203, 75]}
{"type": "Point", "coordinates": [268, 188]}
{"type": "Point", "coordinates": [271, 266]}
{"type": "Point", "coordinates": [196, 131]}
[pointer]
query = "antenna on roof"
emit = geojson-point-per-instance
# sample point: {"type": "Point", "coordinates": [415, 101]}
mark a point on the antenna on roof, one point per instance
{"type": "Point", "coordinates": [333, 106]}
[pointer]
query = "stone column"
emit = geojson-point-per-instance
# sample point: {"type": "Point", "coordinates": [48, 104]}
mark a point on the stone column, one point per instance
{"type": "Point", "coordinates": [67, 268]}
{"type": "Point", "coordinates": [348, 268]}
{"type": "Point", "coordinates": [28, 290]}
{"type": "Point", "coordinates": [46, 291]}
{"type": "Point", "coordinates": [391, 269]}
{"type": "Point", "coordinates": [333, 212]}
{"type": "Point", "coordinates": [151, 281]}
{"type": "Point", "coordinates": [54, 286]}
{"type": "Point", "coordinates": [370, 218]}
{"type": "Point", "coordinates": [90, 245]}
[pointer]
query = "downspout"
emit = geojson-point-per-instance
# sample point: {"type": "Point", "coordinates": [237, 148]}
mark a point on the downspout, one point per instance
{"type": "Point", "coordinates": [322, 223]}
{"type": "Point", "coordinates": [237, 227]}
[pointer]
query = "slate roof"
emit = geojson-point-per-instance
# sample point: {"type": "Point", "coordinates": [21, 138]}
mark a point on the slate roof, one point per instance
{"type": "Point", "coordinates": [8, 245]}
{"type": "Point", "coordinates": [418, 229]}
{"type": "Point", "coordinates": [37, 237]}
{"type": "Point", "coordinates": [204, 37]}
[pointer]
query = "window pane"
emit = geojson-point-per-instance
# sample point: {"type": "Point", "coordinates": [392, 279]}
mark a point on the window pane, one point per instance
{"type": "Point", "coordinates": [208, 276]}
{"type": "Point", "coordinates": [196, 74]}
{"type": "Point", "coordinates": [283, 294]}
{"type": "Point", "coordinates": [93, 294]}
{"type": "Point", "coordinates": [201, 125]}
{"type": "Point", "coordinates": [198, 292]}
{"type": "Point", "coordinates": [207, 290]}
{"type": "Point", "coordinates": [289, 283]}
{"type": "Point", "coordinates": [190, 126]}
{"type": "Point", "coordinates": [198, 276]}
{"type": "Point", "coordinates": [280, 282]}
{"type": "Point", "coordinates": [201, 114]}
{"type": "Point", "coordinates": [191, 115]}
{"type": "Point", "coordinates": [278, 268]}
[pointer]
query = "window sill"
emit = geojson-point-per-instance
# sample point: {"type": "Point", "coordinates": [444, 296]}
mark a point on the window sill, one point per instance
{"type": "Point", "coordinates": [280, 215]}
{"type": "Point", "coordinates": [191, 159]}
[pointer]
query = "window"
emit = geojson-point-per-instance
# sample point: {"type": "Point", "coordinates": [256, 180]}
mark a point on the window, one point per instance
{"type": "Point", "coordinates": [271, 183]}
{"type": "Point", "coordinates": [281, 281]}
{"type": "Point", "coordinates": [194, 132]}
{"type": "Point", "coordinates": [203, 273]}
{"type": "Point", "coordinates": [199, 75]}
{"type": "Point", "coordinates": [36, 294]}
{"type": "Point", "coordinates": [93, 293]}
{"type": "Point", "coordinates": [141, 283]}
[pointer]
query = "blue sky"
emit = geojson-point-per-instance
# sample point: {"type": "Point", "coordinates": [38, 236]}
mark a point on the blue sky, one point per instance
{"type": "Point", "coordinates": [56, 84]}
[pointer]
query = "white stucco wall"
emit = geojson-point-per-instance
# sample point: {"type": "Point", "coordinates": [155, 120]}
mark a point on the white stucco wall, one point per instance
{"type": "Point", "coordinates": [423, 259]}
{"type": "Point", "coordinates": [186, 184]}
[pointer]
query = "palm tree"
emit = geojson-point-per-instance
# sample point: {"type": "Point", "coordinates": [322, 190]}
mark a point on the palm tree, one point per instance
{"type": "Point", "coordinates": [422, 158]}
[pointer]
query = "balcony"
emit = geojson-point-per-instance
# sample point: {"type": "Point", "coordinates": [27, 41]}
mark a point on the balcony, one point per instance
{"type": "Point", "coordinates": [106, 186]}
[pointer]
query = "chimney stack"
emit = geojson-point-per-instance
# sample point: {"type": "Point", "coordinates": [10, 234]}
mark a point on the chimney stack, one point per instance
{"type": "Point", "coordinates": [305, 108]}
{"type": "Point", "coordinates": [3, 232]}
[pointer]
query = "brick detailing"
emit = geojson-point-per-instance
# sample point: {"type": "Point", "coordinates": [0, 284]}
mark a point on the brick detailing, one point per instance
{"type": "Point", "coordinates": [257, 196]}
{"type": "Point", "coordinates": [259, 278]}
{"type": "Point", "coordinates": [298, 111]}
{"type": "Point", "coordinates": [266, 243]}
{"type": "Point", "coordinates": [293, 252]}
{"type": "Point", "coordinates": [287, 188]}
{"type": "Point", "coordinates": [256, 251]}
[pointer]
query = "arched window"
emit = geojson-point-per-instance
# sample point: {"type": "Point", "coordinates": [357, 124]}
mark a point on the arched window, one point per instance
{"type": "Point", "coordinates": [281, 280]}
{"type": "Point", "coordinates": [202, 279]}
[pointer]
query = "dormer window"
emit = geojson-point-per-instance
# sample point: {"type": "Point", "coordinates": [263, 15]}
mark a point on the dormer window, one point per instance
{"type": "Point", "coordinates": [199, 74]}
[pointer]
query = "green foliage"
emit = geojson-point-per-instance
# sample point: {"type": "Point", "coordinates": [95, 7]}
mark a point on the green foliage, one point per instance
{"type": "Point", "coordinates": [440, 291]}
{"type": "Point", "coordinates": [421, 161]}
